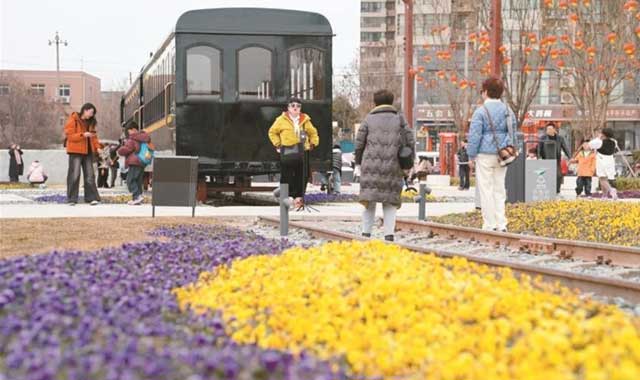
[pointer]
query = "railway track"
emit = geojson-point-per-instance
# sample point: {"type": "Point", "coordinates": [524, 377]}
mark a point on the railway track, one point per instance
{"type": "Point", "coordinates": [594, 252]}
{"type": "Point", "coordinates": [445, 242]}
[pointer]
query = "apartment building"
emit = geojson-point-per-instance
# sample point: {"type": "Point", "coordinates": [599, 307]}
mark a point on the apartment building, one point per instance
{"type": "Point", "coordinates": [380, 40]}
{"type": "Point", "coordinates": [378, 48]}
{"type": "Point", "coordinates": [72, 89]}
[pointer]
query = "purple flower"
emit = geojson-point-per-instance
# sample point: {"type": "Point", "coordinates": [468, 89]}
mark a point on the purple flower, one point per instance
{"type": "Point", "coordinates": [625, 194]}
{"type": "Point", "coordinates": [110, 314]}
{"type": "Point", "coordinates": [53, 198]}
{"type": "Point", "coordinates": [312, 198]}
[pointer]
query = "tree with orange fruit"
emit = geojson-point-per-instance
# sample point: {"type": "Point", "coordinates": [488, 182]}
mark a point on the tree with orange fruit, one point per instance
{"type": "Point", "coordinates": [443, 66]}
{"type": "Point", "coordinates": [526, 51]}
{"type": "Point", "coordinates": [598, 51]}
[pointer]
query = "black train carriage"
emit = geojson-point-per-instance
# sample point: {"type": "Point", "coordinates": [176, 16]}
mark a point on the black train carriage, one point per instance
{"type": "Point", "coordinates": [221, 78]}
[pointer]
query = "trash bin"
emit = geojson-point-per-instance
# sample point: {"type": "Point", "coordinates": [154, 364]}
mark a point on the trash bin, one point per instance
{"type": "Point", "coordinates": [531, 180]}
{"type": "Point", "coordinates": [540, 180]}
{"type": "Point", "coordinates": [175, 179]}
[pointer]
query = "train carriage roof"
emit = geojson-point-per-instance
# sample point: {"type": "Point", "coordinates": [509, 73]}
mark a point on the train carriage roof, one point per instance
{"type": "Point", "coordinates": [253, 21]}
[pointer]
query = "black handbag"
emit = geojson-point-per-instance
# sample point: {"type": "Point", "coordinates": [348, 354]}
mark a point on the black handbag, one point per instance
{"type": "Point", "coordinates": [293, 152]}
{"type": "Point", "coordinates": [405, 153]}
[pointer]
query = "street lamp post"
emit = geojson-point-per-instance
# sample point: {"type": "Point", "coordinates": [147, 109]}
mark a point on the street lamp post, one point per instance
{"type": "Point", "coordinates": [408, 62]}
{"type": "Point", "coordinates": [495, 36]}
{"type": "Point", "coordinates": [57, 41]}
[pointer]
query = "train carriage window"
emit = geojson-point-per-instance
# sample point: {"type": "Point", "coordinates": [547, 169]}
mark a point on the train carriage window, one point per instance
{"type": "Point", "coordinates": [203, 71]}
{"type": "Point", "coordinates": [306, 73]}
{"type": "Point", "coordinates": [254, 73]}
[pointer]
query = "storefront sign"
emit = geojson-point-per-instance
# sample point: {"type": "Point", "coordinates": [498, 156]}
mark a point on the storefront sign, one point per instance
{"type": "Point", "coordinates": [538, 112]}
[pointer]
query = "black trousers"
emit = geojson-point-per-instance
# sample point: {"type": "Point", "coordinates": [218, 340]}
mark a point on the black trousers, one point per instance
{"type": "Point", "coordinates": [464, 176]}
{"type": "Point", "coordinates": [559, 177]}
{"type": "Point", "coordinates": [103, 175]}
{"type": "Point", "coordinates": [293, 173]}
{"type": "Point", "coordinates": [583, 183]}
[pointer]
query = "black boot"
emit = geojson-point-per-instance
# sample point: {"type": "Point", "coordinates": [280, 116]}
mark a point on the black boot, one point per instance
{"type": "Point", "coordinates": [367, 235]}
{"type": "Point", "coordinates": [388, 238]}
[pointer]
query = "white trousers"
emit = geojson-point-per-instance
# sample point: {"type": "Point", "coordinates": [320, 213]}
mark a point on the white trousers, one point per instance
{"type": "Point", "coordinates": [388, 213]}
{"type": "Point", "coordinates": [493, 194]}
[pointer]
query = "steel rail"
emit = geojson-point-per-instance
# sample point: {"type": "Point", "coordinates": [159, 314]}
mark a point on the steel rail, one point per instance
{"type": "Point", "coordinates": [601, 286]}
{"type": "Point", "coordinates": [588, 251]}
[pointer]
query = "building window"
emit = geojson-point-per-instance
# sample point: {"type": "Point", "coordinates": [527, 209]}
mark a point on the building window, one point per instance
{"type": "Point", "coordinates": [4, 89]}
{"type": "Point", "coordinates": [64, 93]}
{"type": "Point", "coordinates": [370, 36]}
{"type": "Point", "coordinates": [373, 22]}
{"type": "Point", "coordinates": [254, 73]}
{"type": "Point", "coordinates": [204, 70]}
{"type": "Point", "coordinates": [369, 6]}
{"type": "Point", "coordinates": [37, 89]}
{"type": "Point", "coordinates": [306, 67]}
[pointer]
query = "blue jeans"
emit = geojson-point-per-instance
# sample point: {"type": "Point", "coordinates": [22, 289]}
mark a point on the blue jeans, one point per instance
{"type": "Point", "coordinates": [134, 181]}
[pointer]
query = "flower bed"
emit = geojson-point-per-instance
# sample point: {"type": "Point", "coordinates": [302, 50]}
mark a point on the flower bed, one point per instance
{"type": "Point", "coordinates": [395, 314]}
{"type": "Point", "coordinates": [408, 196]}
{"type": "Point", "coordinates": [627, 183]}
{"type": "Point", "coordinates": [624, 194]}
{"type": "Point", "coordinates": [14, 185]}
{"type": "Point", "coordinates": [109, 199]}
{"type": "Point", "coordinates": [319, 197]}
{"type": "Point", "coordinates": [51, 198]}
{"type": "Point", "coordinates": [605, 222]}
{"type": "Point", "coordinates": [111, 314]}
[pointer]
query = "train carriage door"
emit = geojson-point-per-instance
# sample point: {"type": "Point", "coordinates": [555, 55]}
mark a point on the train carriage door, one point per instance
{"type": "Point", "coordinates": [252, 111]}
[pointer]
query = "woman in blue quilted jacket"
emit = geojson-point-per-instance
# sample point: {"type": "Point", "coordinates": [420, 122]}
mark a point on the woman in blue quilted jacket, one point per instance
{"type": "Point", "coordinates": [489, 133]}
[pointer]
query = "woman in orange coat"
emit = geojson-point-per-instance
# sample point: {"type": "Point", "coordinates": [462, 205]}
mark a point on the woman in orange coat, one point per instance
{"type": "Point", "coordinates": [82, 146]}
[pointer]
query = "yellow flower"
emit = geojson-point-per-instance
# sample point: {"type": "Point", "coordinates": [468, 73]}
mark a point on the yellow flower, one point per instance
{"type": "Point", "coordinates": [394, 313]}
{"type": "Point", "coordinates": [605, 222]}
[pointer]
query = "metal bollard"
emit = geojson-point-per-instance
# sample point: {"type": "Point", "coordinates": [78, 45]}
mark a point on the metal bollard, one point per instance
{"type": "Point", "coordinates": [422, 201]}
{"type": "Point", "coordinates": [285, 204]}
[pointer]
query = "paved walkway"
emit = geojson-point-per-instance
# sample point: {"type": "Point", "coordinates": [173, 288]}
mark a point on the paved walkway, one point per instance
{"type": "Point", "coordinates": [120, 210]}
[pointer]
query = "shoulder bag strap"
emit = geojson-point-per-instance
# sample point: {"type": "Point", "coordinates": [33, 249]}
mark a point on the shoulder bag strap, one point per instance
{"type": "Point", "coordinates": [492, 127]}
{"type": "Point", "coordinates": [510, 125]}
{"type": "Point", "coordinates": [403, 140]}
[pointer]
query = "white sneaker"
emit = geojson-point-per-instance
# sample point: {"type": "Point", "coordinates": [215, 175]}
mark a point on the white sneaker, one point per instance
{"type": "Point", "coordinates": [614, 194]}
{"type": "Point", "coordinates": [94, 203]}
{"type": "Point", "coordinates": [138, 201]}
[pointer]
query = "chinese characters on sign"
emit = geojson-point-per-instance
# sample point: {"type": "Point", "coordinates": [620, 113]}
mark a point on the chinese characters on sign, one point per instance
{"type": "Point", "coordinates": [552, 113]}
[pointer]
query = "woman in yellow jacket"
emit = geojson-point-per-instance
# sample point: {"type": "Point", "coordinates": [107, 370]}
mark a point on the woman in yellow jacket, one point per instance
{"type": "Point", "coordinates": [286, 135]}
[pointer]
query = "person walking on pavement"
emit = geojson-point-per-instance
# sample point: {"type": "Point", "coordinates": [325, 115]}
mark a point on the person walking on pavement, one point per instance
{"type": "Point", "coordinates": [551, 147]}
{"type": "Point", "coordinates": [130, 150]}
{"type": "Point", "coordinates": [586, 160]}
{"type": "Point", "coordinates": [336, 171]}
{"type": "Point", "coordinates": [489, 133]}
{"type": "Point", "coordinates": [82, 146]}
{"type": "Point", "coordinates": [463, 166]}
{"type": "Point", "coordinates": [286, 135]}
{"type": "Point", "coordinates": [16, 165]}
{"type": "Point", "coordinates": [114, 165]}
{"type": "Point", "coordinates": [605, 146]}
{"type": "Point", "coordinates": [103, 167]}
{"type": "Point", "coordinates": [380, 136]}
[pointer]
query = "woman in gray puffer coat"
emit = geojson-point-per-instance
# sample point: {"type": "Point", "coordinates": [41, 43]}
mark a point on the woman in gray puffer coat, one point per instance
{"type": "Point", "coordinates": [377, 144]}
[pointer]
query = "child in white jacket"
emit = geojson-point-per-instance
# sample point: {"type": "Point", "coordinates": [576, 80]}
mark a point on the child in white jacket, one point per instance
{"type": "Point", "coordinates": [36, 174]}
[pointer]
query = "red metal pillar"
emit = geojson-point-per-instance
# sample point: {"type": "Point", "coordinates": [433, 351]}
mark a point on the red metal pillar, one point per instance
{"type": "Point", "coordinates": [496, 37]}
{"type": "Point", "coordinates": [408, 62]}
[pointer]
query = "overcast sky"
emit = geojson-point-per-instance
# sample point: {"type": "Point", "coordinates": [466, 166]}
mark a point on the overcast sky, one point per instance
{"type": "Point", "coordinates": [110, 38]}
